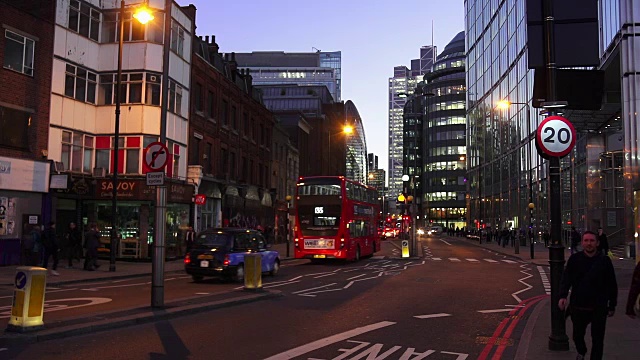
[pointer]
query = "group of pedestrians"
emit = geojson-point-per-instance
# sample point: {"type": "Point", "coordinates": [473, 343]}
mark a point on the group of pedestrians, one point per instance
{"type": "Point", "coordinates": [590, 276]}
{"type": "Point", "coordinates": [38, 247]}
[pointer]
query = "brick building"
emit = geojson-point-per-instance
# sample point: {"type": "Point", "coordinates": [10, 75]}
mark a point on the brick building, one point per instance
{"type": "Point", "coordinates": [231, 137]}
{"type": "Point", "coordinates": [26, 47]}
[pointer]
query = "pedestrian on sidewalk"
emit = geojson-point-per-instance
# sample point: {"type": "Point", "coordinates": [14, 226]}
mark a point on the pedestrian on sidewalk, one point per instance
{"type": "Point", "coordinates": [189, 238]}
{"type": "Point", "coordinates": [634, 292]}
{"type": "Point", "coordinates": [73, 244]}
{"type": "Point", "coordinates": [545, 237]}
{"type": "Point", "coordinates": [575, 240]}
{"type": "Point", "coordinates": [51, 247]}
{"type": "Point", "coordinates": [603, 243]}
{"type": "Point", "coordinates": [594, 294]}
{"type": "Point", "coordinates": [91, 243]}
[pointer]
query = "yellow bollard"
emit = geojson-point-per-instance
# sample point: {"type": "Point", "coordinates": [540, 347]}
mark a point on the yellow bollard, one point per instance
{"type": "Point", "coordinates": [405, 248]}
{"type": "Point", "coordinates": [252, 272]}
{"type": "Point", "coordinates": [28, 299]}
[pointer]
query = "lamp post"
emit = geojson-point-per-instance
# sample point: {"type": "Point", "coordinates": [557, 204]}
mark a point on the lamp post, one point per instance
{"type": "Point", "coordinates": [288, 199]}
{"type": "Point", "coordinates": [504, 104]}
{"type": "Point", "coordinates": [143, 16]}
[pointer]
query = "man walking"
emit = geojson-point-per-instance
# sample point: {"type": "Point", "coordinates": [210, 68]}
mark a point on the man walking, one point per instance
{"type": "Point", "coordinates": [51, 247]}
{"type": "Point", "coordinates": [91, 243]}
{"type": "Point", "coordinates": [189, 238]}
{"type": "Point", "coordinates": [603, 243]}
{"type": "Point", "coordinates": [74, 244]}
{"type": "Point", "coordinates": [594, 294]}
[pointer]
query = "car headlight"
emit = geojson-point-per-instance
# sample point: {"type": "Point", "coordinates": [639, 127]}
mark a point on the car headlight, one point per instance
{"type": "Point", "coordinates": [420, 232]}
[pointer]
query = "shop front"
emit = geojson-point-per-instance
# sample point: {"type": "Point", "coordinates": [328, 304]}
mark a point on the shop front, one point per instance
{"type": "Point", "coordinates": [135, 215]}
{"type": "Point", "coordinates": [23, 183]}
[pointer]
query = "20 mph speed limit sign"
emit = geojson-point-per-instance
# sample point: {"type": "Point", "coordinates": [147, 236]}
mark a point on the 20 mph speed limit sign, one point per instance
{"type": "Point", "coordinates": [555, 136]}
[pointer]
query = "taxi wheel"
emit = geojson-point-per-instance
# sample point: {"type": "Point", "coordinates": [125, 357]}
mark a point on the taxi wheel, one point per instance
{"type": "Point", "coordinates": [197, 278]}
{"type": "Point", "coordinates": [357, 257]}
{"type": "Point", "coordinates": [239, 277]}
{"type": "Point", "coordinates": [276, 268]}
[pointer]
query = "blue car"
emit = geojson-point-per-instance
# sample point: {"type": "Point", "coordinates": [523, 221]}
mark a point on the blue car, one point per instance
{"type": "Point", "coordinates": [220, 253]}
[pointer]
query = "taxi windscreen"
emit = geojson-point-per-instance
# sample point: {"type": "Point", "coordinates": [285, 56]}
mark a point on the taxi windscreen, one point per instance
{"type": "Point", "coordinates": [217, 240]}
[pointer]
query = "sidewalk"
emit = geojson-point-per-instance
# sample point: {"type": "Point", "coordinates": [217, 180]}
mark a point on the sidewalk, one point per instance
{"type": "Point", "coordinates": [622, 336]}
{"type": "Point", "coordinates": [124, 269]}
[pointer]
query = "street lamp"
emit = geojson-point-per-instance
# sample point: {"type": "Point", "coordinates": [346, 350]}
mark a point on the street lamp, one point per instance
{"type": "Point", "coordinates": [143, 15]}
{"type": "Point", "coordinates": [288, 199]}
{"type": "Point", "coordinates": [505, 104]}
{"type": "Point", "coordinates": [346, 130]}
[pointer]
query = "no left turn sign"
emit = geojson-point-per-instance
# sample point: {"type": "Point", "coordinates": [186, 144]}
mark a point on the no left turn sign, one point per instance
{"type": "Point", "coordinates": [555, 136]}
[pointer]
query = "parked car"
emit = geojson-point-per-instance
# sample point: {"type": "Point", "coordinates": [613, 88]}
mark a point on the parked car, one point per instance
{"type": "Point", "coordinates": [435, 230]}
{"type": "Point", "coordinates": [220, 253]}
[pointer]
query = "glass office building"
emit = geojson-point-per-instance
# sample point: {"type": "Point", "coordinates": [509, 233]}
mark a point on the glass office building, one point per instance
{"type": "Point", "coordinates": [505, 172]}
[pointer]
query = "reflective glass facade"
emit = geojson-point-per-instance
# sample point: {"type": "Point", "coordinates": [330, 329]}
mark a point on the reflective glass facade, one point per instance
{"type": "Point", "coordinates": [356, 146]}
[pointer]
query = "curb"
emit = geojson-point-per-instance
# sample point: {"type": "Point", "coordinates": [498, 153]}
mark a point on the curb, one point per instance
{"type": "Point", "coordinates": [529, 261]}
{"type": "Point", "coordinates": [114, 277]}
{"type": "Point", "coordinates": [145, 316]}
{"type": "Point", "coordinates": [523, 345]}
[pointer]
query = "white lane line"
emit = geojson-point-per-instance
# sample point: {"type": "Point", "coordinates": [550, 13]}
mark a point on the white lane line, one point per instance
{"type": "Point", "coordinates": [53, 288]}
{"type": "Point", "coordinates": [454, 259]}
{"type": "Point", "coordinates": [545, 280]}
{"type": "Point", "coordinates": [490, 260]}
{"type": "Point", "coordinates": [510, 261]}
{"type": "Point", "coordinates": [460, 356]}
{"type": "Point", "coordinates": [377, 257]}
{"type": "Point", "coordinates": [202, 293]}
{"type": "Point", "coordinates": [431, 316]}
{"type": "Point", "coordinates": [4, 349]}
{"type": "Point", "coordinates": [115, 286]}
{"type": "Point", "coordinates": [445, 242]}
{"type": "Point", "coordinates": [515, 294]}
{"type": "Point", "coordinates": [319, 287]}
{"type": "Point", "coordinates": [348, 285]}
{"type": "Point", "coordinates": [318, 344]}
{"type": "Point", "coordinates": [325, 275]}
{"type": "Point", "coordinates": [318, 292]}
{"type": "Point", "coordinates": [357, 276]}
{"type": "Point", "coordinates": [48, 292]}
{"type": "Point", "coordinates": [472, 260]}
{"type": "Point", "coordinates": [436, 259]}
{"type": "Point", "coordinates": [270, 285]}
{"type": "Point", "coordinates": [493, 311]}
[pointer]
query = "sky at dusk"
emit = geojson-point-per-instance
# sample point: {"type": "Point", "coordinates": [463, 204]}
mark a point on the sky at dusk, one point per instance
{"type": "Point", "coordinates": [373, 35]}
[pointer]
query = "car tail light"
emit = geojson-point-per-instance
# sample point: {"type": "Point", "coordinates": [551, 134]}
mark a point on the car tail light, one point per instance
{"type": "Point", "coordinates": [187, 259]}
{"type": "Point", "coordinates": [341, 243]}
{"type": "Point", "coordinates": [296, 243]}
{"type": "Point", "coordinates": [226, 261]}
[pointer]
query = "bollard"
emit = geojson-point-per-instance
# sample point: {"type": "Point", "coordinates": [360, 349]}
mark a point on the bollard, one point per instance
{"type": "Point", "coordinates": [252, 272]}
{"type": "Point", "coordinates": [28, 299]}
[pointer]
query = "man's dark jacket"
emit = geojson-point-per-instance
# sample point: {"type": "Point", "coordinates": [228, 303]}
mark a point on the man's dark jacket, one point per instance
{"type": "Point", "coordinates": [592, 281]}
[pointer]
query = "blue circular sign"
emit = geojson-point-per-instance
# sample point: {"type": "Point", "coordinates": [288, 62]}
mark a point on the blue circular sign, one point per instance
{"type": "Point", "coordinates": [21, 280]}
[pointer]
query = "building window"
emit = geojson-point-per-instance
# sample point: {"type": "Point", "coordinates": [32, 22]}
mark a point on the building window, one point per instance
{"type": "Point", "coordinates": [245, 124]}
{"type": "Point", "coordinates": [194, 149]}
{"type": "Point", "coordinates": [224, 116]}
{"type": "Point", "coordinates": [77, 151]}
{"type": "Point", "coordinates": [206, 158]}
{"type": "Point", "coordinates": [234, 118]}
{"type": "Point", "coordinates": [131, 90]}
{"type": "Point", "coordinates": [176, 163]}
{"type": "Point", "coordinates": [133, 29]}
{"type": "Point", "coordinates": [84, 19]}
{"type": "Point", "coordinates": [18, 53]}
{"type": "Point", "coordinates": [175, 98]}
{"type": "Point", "coordinates": [152, 90]}
{"type": "Point", "coordinates": [80, 84]}
{"type": "Point", "coordinates": [177, 38]}
{"type": "Point", "coordinates": [224, 161]}
{"type": "Point", "coordinates": [197, 97]}
{"type": "Point", "coordinates": [15, 128]}
{"type": "Point", "coordinates": [211, 110]}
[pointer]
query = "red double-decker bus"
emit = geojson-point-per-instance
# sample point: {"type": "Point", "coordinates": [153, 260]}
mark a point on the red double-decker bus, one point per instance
{"type": "Point", "coordinates": [335, 218]}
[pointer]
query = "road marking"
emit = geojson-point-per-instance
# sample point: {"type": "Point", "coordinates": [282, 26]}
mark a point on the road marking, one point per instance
{"type": "Point", "coordinates": [202, 293]}
{"type": "Point", "coordinates": [3, 349]}
{"type": "Point", "coordinates": [473, 260]}
{"type": "Point", "coordinates": [270, 285]}
{"type": "Point", "coordinates": [319, 287]}
{"type": "Point", "coordinates": [545, 280]}
{"type": "Point", "coordinates": [445, 242]}
{"type": "Point", "coordinates": [515, 294]}
{"type": "Point", "coordinates": [115, 286]}
{"type": "Point", "coordinates": [437, 259]}
{"type": "Point", "coordinates": [318, 344]}
{"type": "Point", "coordinates": [357, 276]}
{"type": "Point", "coordinates": [325, 275]}
{"type": "Point", "coordinates": [431, 316]}
{"type": "Point", "coordinates": [310, 294]}
{"type": "Point", "coordinates": [490, 260]}
{"type": "Point", "coordinates": [377, 257]}
{"type": "Point", "coordinates": [48, 306]}
{"type": "Point", "coordinates": [510, 261]}
{"type": "Point", "coordinates": [454, 259]}
{"type": "Point", "coordinates": [493, 311]}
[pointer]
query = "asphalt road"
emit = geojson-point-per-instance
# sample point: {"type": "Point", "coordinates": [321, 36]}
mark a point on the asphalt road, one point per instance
{"type": "Point", "coordinates": [457, 302]}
